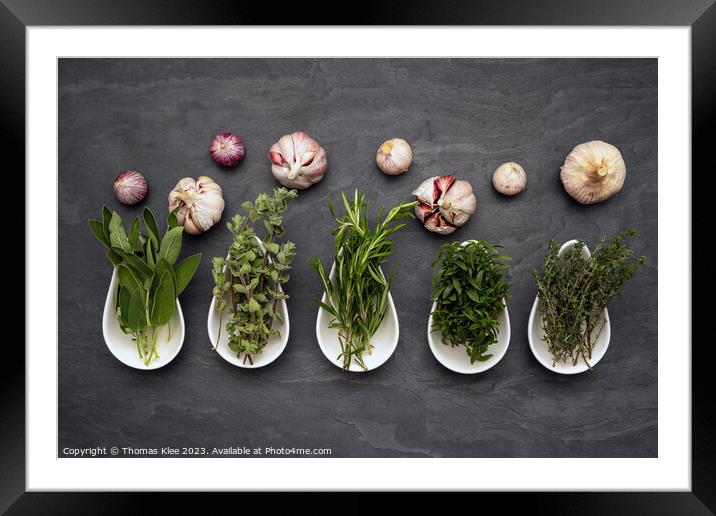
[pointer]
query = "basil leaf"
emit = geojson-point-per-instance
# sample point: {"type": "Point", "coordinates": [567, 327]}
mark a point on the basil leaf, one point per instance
{"type": "Point", "coordinates": [171, 245]}
{"type": "Point", "coordinates": [185, 270]}
{"type": "Point", "coordinates": [127, 278]}
{"type": "Point", "coordinates": [151, 223]}
{"type": "Point", "coordinates": [98, 231]}
{"type": "Point", "coordinates": [164, 301]}
{"type": "Point", "coordinates": [137, 312]}
{"type": "Point", "coordinates": [134, 234]}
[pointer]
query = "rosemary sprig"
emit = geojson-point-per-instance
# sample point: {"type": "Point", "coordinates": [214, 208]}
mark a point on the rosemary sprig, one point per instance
{"type": "Point", "coordinates": [357, 298]}
{"type": "Point", "coordinates": [468, 291]}
{"type": "Point", "coordinates": [574, 293]}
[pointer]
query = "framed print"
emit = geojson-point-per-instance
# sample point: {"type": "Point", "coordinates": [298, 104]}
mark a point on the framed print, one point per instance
{"type": "Point", "coordinates": [358, 258]}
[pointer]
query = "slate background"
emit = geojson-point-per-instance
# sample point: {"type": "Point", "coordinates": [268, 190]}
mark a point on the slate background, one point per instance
{"type": "Point", "coordinates": [462, 115]}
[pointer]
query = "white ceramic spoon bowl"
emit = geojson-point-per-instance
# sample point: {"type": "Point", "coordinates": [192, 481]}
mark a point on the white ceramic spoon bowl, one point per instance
{"type": "Point", "coordinates": [271, 351]}
{"type": "Point", "coordinates": [124, 347]}
{"type": "Point", "coordinates": [456, 358]}
{"type": "Point", "coordinates": [535, 334]}
{"type": "Point", "coordinates": [384, 342]}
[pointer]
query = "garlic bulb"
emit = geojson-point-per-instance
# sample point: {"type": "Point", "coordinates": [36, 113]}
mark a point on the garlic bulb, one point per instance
{"type": "Point", "coordinates": [394, 157]}
{"type": "Point", "coordinates": [297, 160]}
{"type": "Point", "coordinates": [593, 172]}
{"type": "Point", "coordinates": [509, 178]}
{"type": "Point", "coordinates": [201, 203]}
{"type": "Point", "coordinates": [444, 203]}
{"type": "Point", "coordinates": [226, 149]}
{"type": "Point", "coordinates": [130, 187]}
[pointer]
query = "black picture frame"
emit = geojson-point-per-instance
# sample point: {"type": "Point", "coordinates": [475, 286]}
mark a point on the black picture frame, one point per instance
{"type": "Point", "coordinates": [699, 15]}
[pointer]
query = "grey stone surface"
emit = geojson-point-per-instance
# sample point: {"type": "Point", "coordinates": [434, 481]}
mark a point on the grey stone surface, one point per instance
{"type": "Point", "coordinates": [460, 115]}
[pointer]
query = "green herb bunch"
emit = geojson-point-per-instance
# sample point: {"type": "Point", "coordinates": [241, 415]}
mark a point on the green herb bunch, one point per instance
{"type": "Point", "coordinates": [149, 280]}
{"type": "Point", "coordinates": [357, 297]}
{"type": "Point", "coordinates": [248, 282]}
{"type": "Point", "coordinates": [469, 291]}
{"type": "Point", "coordinates": [574, 293]}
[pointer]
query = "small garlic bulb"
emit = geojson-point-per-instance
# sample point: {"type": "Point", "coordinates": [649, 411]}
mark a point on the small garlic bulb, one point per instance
{"type": "Point", "coordinates": [593, 172]}
{"type": "Point", "coordinates": [509, 178]}
{"type": "Point", "coordinates": [201, 203]}
{"type": "Point", "coordinates": [130, 187]}
{"type": "Point", "coordinates": [394, 157]}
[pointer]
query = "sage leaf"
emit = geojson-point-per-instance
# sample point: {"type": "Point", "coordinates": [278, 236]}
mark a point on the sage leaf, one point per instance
{"type": "Point", "coordinates": [138, 266]}
{"type": "Point", "coordinates": [117, 235]}
{"type": "Point", "coordinates": [134, 234]}
{"type": "Point", "coordinates": [172, 220]}
{"type": "Point", "coordinates": [185, 270]}
{"type": "Point", "coordinates": [123, 297]}
{"type": "Point", "coordinates": [127, 278]}
{"type": "Point", "coordinates": [137, 312]}
{"type": "Point", "coordinates": [164, 301]}
{"type": "Point", "coordinates": [160, 268]}
{"type": "Point", "coordinates": [106, 217]}
{"type": "Point", "coordinates": [98, 231]}
{"type": "Point", "coordinates": [151, 224]}
{"type": "Point", "coordinates": [171, 244]}
{"type": "Point", "coordinates": [113, 257]}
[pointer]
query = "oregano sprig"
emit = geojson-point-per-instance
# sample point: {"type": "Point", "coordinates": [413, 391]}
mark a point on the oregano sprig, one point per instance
{"type": "Point", "coordinates": [247, 283]}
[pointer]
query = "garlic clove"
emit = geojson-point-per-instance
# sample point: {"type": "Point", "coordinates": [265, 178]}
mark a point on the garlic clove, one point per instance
{"type": "Point", "coordinates": [443, 183]}
{"type": "Point", "coordinates": [437, 224]}
{"type": "Point", "coordinates": [426, 191]}
{"type": "Point", "coordinates": [423, 210]}
{"type": "Point", "coordinates": [509, 178]}
{"type": "Point", "coordinates": [458, 203]}
{"type": "Point", "coordinates": [394, 156]}
{"type": "Point", "coordinates": [593, 172]}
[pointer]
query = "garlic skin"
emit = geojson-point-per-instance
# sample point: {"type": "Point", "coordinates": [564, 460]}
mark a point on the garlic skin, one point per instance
{"type": "Point", "coordinates": [130, 187]}
{"type": "Point", "coordinates": [394, 157]}
{"type": "Point", "coordinates": [201, 203]}
{"type": "Point", "coordinates": [444, 203]}
{"type": "Point", "coordinates": [297, 160]}
{"type": "Point", "coordinates": [593, 172]}
{"type": "Point", "coordinates": [227, 149]}
{"type": "Point", "coordinates": [509, 178]}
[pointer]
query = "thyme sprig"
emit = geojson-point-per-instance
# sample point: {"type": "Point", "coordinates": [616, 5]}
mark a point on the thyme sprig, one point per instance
{"type": "Point", "coordinates": [247, 284]}
{"type": "Point", "coordinates": [468, 291]}
{"type": "Point", "coordinates": [357, 299]}
{"type": "Point", "coordinates": [574, 293]}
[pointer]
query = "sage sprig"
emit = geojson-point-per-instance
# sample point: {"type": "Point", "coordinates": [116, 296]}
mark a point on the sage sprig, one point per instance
{"type": "Point", "coordinates": [469, 291]}
{"type": "Point", "coordinates": [357, 299]}
{"type": "Point", "coordinates": [149, 280]}
{"type": "Point", "coordinates": [247, 284]}
{"type": "Point", "coordinates": [574, 293]}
